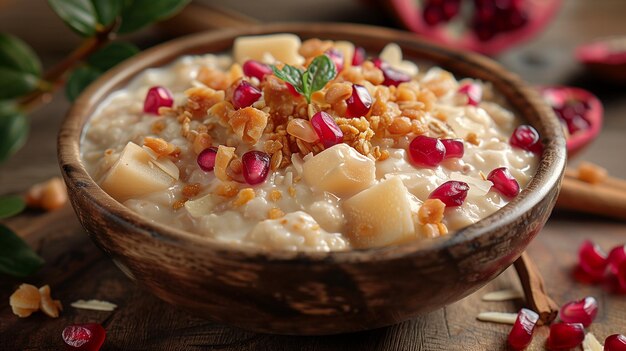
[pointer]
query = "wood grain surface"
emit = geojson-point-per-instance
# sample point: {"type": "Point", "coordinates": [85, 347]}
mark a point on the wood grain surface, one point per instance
{"type": "Point", "coordinates": [76, 269]}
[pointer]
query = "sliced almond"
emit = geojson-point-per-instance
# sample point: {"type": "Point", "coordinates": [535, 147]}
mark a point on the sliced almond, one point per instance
{"type": "Point", "coordinates": [503, 295]}
{"type": "Point", "coordinates": [497, 317]}
{"type": "Point", "coordinates": [590, 343]}
{"type": "Point", "coordinates": [95, 305]}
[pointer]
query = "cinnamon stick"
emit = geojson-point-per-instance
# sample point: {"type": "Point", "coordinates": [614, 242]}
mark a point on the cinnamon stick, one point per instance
{"type": "Point", "coordinates": [537, 297]}
{"type": "Point", "coordinates": [605, 199]}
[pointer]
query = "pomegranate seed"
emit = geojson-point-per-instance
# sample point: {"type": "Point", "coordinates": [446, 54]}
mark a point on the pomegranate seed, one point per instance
{"type": "Point", "coordinates": [329, 132]}
{"type": "Point", "coordinates": [206, 159]}
{"type": "Point", "coordinates": [337, 57]}
{"type": "Point", "coordinates": [583, 311]}
{"type": "Point", "coordinates": [526, 137]}
{"type": "Point", "coordinates": [292, 90]}
{"type": "Point", "coordinates": [392, 76]}
{"type": "Point", "coordinates": [474, 93]}
{"type": "Point", "coordinates": [564, 336]}
{"type": "Point", "coordinates": [454, 148]}
{"type": "Point", "coordinates": [616, 269]}
{"type": "Point", "coordinates": [86, 337]}
{"type": "Point", "coordinates": [592, 260]}
{"type": "Point", "coordinates": [452, 193]}
{"type": "Point", "coordinates": [426, 151]}
{"type": "Point", "coordinates": [245, 94]}
{"type": "Point", "coordinates": [256, 166]}
{"type": "Point", "coordinates": [157, 97]}
{"type": "Point", "coordinates": [253, 68]}
{"type": "Point", "coordinates": [617, 255]}
{"type": "Point", "coordinates": [615, 342]}
{"type": "Point", "coordinates": [504, 182]}
{"type": "Point", "coordinates": [522, 332]}
{"type": "Point", "coordinates": [359, 103]}
{"type": "Point", "coordinates": [359, 56]}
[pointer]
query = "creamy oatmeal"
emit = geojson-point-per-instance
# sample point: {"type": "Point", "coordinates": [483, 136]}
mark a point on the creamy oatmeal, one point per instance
{"type": "Point", "coordinates": [385, 151]}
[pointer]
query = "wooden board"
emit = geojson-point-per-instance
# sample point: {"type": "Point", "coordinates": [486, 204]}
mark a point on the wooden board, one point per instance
{"type": "Point", "coordinates": [76, 269]}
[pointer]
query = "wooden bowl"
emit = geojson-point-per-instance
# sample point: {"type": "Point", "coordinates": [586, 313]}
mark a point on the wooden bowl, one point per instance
{"type": "Point", "coordinates": [313, 293]}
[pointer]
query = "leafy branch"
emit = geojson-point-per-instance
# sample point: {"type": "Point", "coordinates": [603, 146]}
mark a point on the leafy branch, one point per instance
{"type": "Point", "coordinates": [320, 71]}
{"type": "Point", "coordinates": [24, 86]}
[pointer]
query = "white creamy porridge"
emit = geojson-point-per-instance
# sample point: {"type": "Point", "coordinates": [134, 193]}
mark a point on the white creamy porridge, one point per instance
{"type": "Point", "coordinates": [384, 152]}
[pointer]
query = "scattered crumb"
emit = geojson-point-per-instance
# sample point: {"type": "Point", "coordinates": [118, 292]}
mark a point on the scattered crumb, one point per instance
{"type": "Point", "coordinates": [48, 306]}
{"type": "Point", "coordinates": [49, 195]}
{"type": "Point", "coordinates": [244, 196]}
{"type": "Point", "coordinates": [95, 305]}
{"type": "Point", "coordinates": [275, 213]}
{"type": "Point", "coordinates": [275, 195]}
{"type": "Point", "coordinates": [591, 173]}
{"type": "Point", "coordinates": [28, 299]}
{"type": "Point", "coordinates": [178, 204]}
{"type": "Point", "coordinates": [431, 211]}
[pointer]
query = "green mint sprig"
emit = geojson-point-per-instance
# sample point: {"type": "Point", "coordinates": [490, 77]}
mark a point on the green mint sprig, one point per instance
{"type": "Point", "coordinates": [321, 71]}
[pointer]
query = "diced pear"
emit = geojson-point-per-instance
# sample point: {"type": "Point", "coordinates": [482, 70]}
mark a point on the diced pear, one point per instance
{"type": "Point", "coordinates": [380, 215]}
{"type": "Point", "coordinates": [202, 206]}
{"type": "Point", "coordinates": [340, 170]}
{"type": "Point", "coordinates": [134, 174]}
{"type": "Point", "coordinates": [283, 47]}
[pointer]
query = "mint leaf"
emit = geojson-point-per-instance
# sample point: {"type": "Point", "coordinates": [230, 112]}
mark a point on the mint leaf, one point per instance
{"type": "Point", "coordinates": [112, 54]}
{"type": "Point", "coordinates": [16, 257]}
{"type": "Point", "coordinates": [15, 83]}
{"type": "Point", "coordinates": [80, 78]}
{"type": "Point", "coordinates": [107, 10]}
{"type": "Point", "coordinates": [291, 75]}
{"type": "Point", "coordinates": [79, 15]}
{"type": "Point", "coordinates": [13, 130]}
{"type": "Point", "coordinates": [10, 206]}
{"type": "Point", "coordinates": [137, 14]}
{"type": "Point", "coordinates": [321, 71]}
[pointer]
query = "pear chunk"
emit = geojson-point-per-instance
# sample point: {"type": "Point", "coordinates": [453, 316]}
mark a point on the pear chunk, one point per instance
{"type": "Point", "coordinates": [340, 170]}
{"type": "Point", "coordinates": [135, 174]}
{"type": "Point", "coordinates": [380, 215]}
{"type": "Point", "coordinates": [283, 47]}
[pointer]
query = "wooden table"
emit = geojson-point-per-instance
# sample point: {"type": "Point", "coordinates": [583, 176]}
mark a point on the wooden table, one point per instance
{"type": "Point", "coordinates": [76, 269]}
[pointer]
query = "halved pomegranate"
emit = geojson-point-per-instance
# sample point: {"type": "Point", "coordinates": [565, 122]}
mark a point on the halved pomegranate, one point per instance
{"type": "Point", "coordinates": [580, 112]}
{"type": "Point", "coordinates": [485, 26]}
{"type": "Point", "coordinates": [605, 58]}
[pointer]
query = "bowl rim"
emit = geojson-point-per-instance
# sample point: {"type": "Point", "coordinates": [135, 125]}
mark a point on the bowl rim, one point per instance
{"type": "Point", "coordinates": [548, 174]}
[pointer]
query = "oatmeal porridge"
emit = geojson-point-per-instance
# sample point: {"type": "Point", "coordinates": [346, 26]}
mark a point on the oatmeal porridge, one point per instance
{"type": "Point", "coordinates": [309, 145]}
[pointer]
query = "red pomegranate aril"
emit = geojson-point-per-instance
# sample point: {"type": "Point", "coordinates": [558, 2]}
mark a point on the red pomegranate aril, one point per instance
{"type": "Point", "coordinates": [337, 57]}
{"type": "Point", "coordinates": [206, 159]}
{"type": "Point", "coordinates": [256, 166]}
{"type": "Point", "coordinates": [327, 130]}
{"type": "Point", "coordinates": [564, 336]}
{"type": "Point", "coordinates": [617, 255]}
{"type": "Point", "coordinates": [474, 93]}
{"type": "Point", "coordinates": [392, 76]}
{"type": "Point", "coordinates": [245, 94]}
{"type": "Point", "coordinates": [256, 69]}
{"type": "Point", "coordinates": [583, 311]}
{"type": "Point", "coordinates": [615, 342]}
{"type": "Point", "coordinates": [616, 270]}
{"type": "Point", "coordinates": [359, 103]}
{"type": "Point", "coordinates": [454, 148]}
{"type": "Point", "coordinates": [452, 193]}
{"type": "Point", "coordinates": [592, 260]}
{"type": "Point", "coordinates": [521, 334]}
{"type": "Point", "coordinates": [156, 98]}
{"type": "Point", "coordinates": [292, 90]}
{"type": "Point", "coordinates": [504, 182]}
{"type": "Point", "coordinates": [526, 137]}
{"type": "Point", "coordinates": [359, 56]}
{"type": "Point", "coordinates": [426, 151]}
{"type": "Point", "coordinates": [84, 337]}
{"type": "Point", "coordinates": [433, 14]}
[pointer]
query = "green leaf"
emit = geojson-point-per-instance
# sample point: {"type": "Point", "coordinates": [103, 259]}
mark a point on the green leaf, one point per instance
{"type": "Point", "coordinates": [13, 130]}
{"type": "Point", "coordinates": [291, 75]}
{"type": "Point", "coordinates": [17, 55]}
{"type": "Point", "coordinates": [140, 13]}
{"type": "Point", "coordinates": [16, 257]}
{"type": "Point", "coordinates": [80, 15]}
{"type": "Point", "coordinates": [112, 54]}
{"type": "Point", "coordinates": [321, 71]}
{"type": "Point", "coordinates": [10, 206]}
{"type": "Point", "coordinates": [107, 10]}
{"type": "Point", "coordinates": [79, 80]}
{"type": "Point", "coordinates": [15, 83]}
